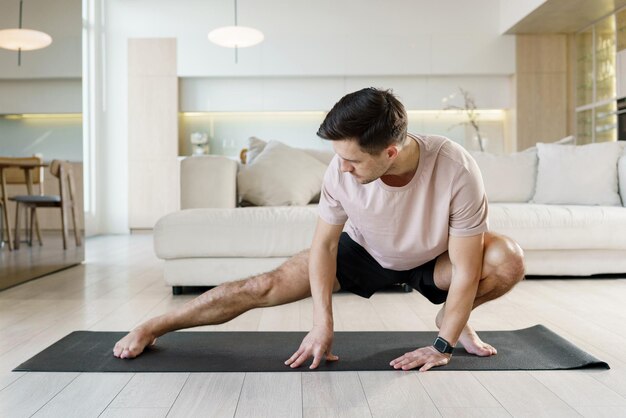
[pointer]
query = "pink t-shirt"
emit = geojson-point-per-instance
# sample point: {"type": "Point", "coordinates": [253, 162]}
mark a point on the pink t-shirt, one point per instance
{"type": "Point", "coordinates": [405, 227]}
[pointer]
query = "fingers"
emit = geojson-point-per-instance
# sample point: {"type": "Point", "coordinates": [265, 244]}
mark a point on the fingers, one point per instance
{"type": "Point", "coordinates": [302, 355]}
{"type": "Point", "coordinates": [430, 365]}
{"type": "Point", "coordinates": [402, 360]}
{"type": "Point", "coordinates": [294, 357]}
{"type": "Point", "coordinates": [419, 358]}
{"type": "Point", "coordinates": [331, 357]}
{"type": "Point", "coordinates": [298, 358]}
{"type": "Point", "coordinates": [317, 358]}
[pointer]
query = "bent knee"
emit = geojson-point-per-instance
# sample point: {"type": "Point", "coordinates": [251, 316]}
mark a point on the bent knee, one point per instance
{"type": "Point", "coordinates": [505, 258]}
{"type": "Point", "coordinates": [258, 288]}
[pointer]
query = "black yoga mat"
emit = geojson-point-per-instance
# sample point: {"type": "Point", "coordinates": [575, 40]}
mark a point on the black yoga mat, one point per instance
{"type": "Point", "coordinates": [535, 348]}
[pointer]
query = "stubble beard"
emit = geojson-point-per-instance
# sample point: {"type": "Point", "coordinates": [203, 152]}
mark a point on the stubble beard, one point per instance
{"type": "Point", "coordinates": [368, 180]}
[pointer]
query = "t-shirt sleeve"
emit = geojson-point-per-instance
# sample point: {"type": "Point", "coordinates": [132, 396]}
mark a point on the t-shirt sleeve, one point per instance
{"type": "Point", "coordinates": [329, 207]}
{"type": "Point", "coordinates": [468, 207]}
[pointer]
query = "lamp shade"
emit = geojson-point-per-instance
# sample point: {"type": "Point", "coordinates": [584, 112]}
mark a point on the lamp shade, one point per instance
{"type": "Point", "coordinates": [236, 36]}
{"type": "Point", "coordinates": [24, 39]}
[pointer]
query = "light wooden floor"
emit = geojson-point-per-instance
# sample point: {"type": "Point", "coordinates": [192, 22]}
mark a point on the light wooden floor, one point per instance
{"type": "Point", "coordinates": [21, 265]}
{"type": "Point", "coordinates": [120, 285]}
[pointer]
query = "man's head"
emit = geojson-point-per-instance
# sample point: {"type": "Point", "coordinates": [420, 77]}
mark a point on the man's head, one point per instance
{"type": "Point", "coordinates": [368, 128]}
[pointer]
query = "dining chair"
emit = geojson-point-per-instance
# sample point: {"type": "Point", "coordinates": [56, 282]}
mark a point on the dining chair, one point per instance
{"type": "Point", "coordinates": [65, 200]}
{"type": "Point", "coordinates": [16, 175]}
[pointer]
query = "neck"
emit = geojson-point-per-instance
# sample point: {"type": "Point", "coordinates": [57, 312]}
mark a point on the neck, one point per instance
{"type": "Point", "coordinates": [405, 166]}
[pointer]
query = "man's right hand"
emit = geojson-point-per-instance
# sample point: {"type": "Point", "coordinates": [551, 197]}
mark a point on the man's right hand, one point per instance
{"type": "Point", "coordinates": [317, 343]}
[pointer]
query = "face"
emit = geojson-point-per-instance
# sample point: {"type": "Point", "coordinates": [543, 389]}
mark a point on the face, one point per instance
{"type": "Point", "coordinates": [363, 166]}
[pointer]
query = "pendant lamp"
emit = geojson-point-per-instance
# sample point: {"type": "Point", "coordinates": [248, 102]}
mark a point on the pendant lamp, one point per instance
{"type": "Point", "coordinates": [23, 39]}
{"type": "Point", "coordinates": [236, 36]}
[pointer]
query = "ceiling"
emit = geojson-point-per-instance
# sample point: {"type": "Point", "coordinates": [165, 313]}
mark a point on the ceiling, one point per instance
{"type": "Point", "coordinates": [565, 16]}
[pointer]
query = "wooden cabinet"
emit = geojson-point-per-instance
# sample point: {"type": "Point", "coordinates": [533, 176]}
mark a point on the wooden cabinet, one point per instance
{"type": "Point", "coordinates": [542, 89]}
{"type": "Point", "coordinates": [152, 131]}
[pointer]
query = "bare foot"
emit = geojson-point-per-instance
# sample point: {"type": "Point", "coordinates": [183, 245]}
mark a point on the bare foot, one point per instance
{"type": "Point", "coordinates": [470, 340]}
{"type": "Point", "coordinates": [133, 343]}
{"type": "Point", "coordinates": [474, 345]}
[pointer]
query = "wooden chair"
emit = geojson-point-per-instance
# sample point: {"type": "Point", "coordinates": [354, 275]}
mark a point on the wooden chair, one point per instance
{"type": "Point", "coordinates": [17, 175]}
{"type": "Point", "coordinates": [65, 200]}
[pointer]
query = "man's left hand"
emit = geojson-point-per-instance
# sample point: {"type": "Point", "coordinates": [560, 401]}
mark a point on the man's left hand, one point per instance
{"type": "Point", "coordinates": [426, 357]}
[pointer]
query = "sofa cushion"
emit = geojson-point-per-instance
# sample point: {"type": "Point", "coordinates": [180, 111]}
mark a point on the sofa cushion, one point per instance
{"type": "Point", "coordinates": [256, 146]}
{"type": "Point", "coordinates": [551, 227]}
{"type": "Point", "coordinates": [241, 232]}
{"type": "Point", "coordinates": [511, 177]}
{"type": "Point", "coordinates": [578, 175]}
{"type": "Point", "coordinates": [508, 178]}
{"type": "Point", "coordinates": [280, 176]}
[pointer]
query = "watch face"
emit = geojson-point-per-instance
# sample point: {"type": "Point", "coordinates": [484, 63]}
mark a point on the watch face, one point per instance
{"type": "Point", "coordinates": [442, 345]}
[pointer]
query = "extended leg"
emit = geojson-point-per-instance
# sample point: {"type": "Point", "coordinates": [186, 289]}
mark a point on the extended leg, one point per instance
{"type": "Point", "coordinates": [288, 283]}
{"type": "Point", "coordinates": [503, 268]}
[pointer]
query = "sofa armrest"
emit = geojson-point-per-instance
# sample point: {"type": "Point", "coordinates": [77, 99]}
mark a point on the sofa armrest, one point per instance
{"type": "Point", "coordinates": [208, 181]}
{"type": "Point", "coordinates": [621, 175]}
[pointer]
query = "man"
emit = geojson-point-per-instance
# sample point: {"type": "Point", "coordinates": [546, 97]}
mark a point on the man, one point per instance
{"type": "Point", "coordinates": [414, 211]}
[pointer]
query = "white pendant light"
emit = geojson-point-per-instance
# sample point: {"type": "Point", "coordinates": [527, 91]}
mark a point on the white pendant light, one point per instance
{"type": "Point", "coordinates": [23, 39]}
{"type": "Point", "coordinates": [236, 36]}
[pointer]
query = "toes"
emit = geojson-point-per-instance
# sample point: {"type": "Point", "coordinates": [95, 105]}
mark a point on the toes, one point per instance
{"type": "Point", "coordinates": [117, 350]}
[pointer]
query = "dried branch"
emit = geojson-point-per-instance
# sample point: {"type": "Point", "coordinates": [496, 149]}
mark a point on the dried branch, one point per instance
{"type": "Point", "coordinates": [469, 107]}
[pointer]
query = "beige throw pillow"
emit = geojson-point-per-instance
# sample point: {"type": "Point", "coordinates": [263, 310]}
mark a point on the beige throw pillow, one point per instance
{"type": "Point", "coordinates": [508, 178]}
{"type": "Point", "coordinates": [280, 176]}
{"type": "Point", "coordinates": [256, 146]}
{"type": "Point", "coordinates": [578, 175]}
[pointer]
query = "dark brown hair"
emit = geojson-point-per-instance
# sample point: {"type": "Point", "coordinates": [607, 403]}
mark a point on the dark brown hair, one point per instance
{"type": "Point", "coordinates": [374, 118]}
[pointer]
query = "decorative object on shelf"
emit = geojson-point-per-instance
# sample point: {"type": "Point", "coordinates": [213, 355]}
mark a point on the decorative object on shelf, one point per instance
{"type": "Point", "coordinates": [23, 39]}
{"type": "Point", "coordinates": [469, 107]}
{"type": "Point", "coordinates": [236, 36]}
{"type": "Point", "coordinates": [229, 147]}
{"type": "Point", "coordinates": [200, 143]}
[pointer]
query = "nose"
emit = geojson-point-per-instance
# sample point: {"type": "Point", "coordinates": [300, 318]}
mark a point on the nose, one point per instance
{"type": "Point", "coordinates": [346, 167]}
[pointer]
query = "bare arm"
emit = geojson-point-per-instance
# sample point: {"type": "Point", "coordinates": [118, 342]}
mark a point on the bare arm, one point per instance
{"type": "Point", "coordinates": [323, 270]}
{"type": "Point", "coordinates": [322, 274]}
{"type": "Point", "coordinates": [466, 256]}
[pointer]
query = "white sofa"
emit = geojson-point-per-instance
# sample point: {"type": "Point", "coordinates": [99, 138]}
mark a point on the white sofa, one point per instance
{"type": "Point", "coordinates": [213, 239]}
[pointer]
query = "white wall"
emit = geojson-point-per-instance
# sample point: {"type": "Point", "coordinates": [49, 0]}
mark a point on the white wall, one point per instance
{"type": "Point", "coordinates": [314, 52]}
{"type": "Point", "coordinates": [327, 37]}
{"type": "Point", "coordinates": [40, 96]}
{"type": "Point", "coordinates": [512, 11]}
{"type": "Point", "coordinates": [419, 92]}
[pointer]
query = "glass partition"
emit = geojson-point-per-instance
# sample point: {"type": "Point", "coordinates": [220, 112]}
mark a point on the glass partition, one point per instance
{"type": "Point", "coordinates": [584, 67]}
{"type": "Point", "coordinates": [605, 59]}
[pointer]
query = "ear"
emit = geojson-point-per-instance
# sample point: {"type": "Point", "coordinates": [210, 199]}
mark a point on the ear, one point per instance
{"type": "Point", "coordinates": [392, 151]}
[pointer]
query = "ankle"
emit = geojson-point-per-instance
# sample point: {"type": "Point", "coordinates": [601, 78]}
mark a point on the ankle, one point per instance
{"type": "Point", "coordinates": [148, 329]}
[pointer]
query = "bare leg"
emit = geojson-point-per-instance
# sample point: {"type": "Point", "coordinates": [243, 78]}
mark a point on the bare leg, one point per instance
{"type": "Point", "coordinates": [288, 283]}
{"type": "Point", "coordinates": [503, 268]}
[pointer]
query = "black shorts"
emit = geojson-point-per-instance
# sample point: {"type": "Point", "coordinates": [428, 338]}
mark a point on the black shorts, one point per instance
{"type": "Point", "coordinates": [359, 273]}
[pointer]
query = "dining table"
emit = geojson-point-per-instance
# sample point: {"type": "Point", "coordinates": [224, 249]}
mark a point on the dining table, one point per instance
{"type": "Point", "coordinates": [27, 167]}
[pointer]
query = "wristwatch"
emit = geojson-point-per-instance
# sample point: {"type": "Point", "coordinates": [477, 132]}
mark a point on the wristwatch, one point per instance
{"type": "Point", "coordinates": [443, 346]}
